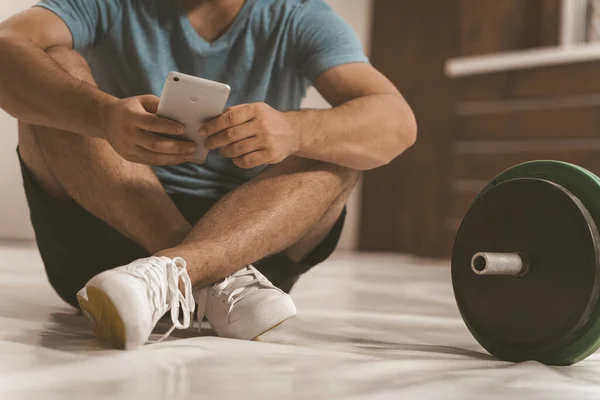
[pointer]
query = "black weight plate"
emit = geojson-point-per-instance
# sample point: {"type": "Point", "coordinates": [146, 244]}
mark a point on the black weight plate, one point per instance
{"type": "Point", "coordinates": [524, 318]}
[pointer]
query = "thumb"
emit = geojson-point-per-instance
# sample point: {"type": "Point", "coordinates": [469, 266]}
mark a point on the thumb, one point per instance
{"type": "Point", "coordinates": [150, 103]}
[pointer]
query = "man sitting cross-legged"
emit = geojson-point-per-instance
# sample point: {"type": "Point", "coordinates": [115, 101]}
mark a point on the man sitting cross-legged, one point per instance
{"type": "Point", "coordinates": [104, 190]}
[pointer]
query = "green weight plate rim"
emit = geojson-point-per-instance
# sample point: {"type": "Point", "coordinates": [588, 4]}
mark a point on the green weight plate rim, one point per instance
{"type": "Point", "coordinates": [586, 186]}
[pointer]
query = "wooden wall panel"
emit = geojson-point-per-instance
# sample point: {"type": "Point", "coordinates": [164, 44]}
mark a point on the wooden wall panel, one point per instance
{"type": "Point", "coordinates": [471, 128]}
{"type": "Point", "coordinates": [486, 167]}
{"type": "Point", "coordinates": [400, 204]}
{"type": "Point", "coordinates": [556, 81]}
{"type": "Point", "coordinates": [505, 25]}
{"type": "Point", "coordinates": [536, 124]}
{"type": "Point", "coordinates": [459, 203]}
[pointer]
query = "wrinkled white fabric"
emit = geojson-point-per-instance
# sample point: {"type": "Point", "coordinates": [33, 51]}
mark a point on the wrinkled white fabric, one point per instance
{"type": "Point", "coordinates": [369, 327]}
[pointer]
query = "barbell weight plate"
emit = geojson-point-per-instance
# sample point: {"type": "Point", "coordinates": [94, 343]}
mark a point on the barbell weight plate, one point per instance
{"type": "Point", "coordinates": [546, 314]}
{"type": "Point", "coordinates": [586, 187]}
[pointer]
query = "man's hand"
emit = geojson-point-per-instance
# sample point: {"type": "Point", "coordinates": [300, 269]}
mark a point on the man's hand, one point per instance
{"type": "Point", "coordinates": [128, 124]}
{"type": "Point", "coordinates": [252, 135]}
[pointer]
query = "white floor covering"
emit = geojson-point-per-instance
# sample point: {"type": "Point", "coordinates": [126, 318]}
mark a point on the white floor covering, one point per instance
{"type": "Point", "coordinates": [369, 327]}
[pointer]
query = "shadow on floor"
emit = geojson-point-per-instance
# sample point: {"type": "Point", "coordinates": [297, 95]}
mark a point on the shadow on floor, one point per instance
{"type": "Point", "coordinates": [385, 348]}
{"type": "Point", "coordinates": [68, 331]}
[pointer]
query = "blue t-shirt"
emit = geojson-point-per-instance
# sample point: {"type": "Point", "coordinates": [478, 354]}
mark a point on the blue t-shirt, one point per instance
{"type": "Point", "coordinates": [272, 52]}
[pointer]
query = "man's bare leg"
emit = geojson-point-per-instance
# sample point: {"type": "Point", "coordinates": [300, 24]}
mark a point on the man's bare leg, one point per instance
{"type": "Point", "coordinates": [127, 196]}
{"type": "Point", "coordinates": [290, 207]}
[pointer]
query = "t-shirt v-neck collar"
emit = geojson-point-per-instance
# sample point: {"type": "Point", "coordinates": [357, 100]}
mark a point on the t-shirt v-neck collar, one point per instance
{"type": "Point", "coordinates": [224, 40]}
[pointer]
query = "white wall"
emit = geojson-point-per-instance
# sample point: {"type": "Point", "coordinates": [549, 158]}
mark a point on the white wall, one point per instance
{"type": "Point", "coordinates": [14, 214]}
{"type": "Point", "coordinates": [14, 218]}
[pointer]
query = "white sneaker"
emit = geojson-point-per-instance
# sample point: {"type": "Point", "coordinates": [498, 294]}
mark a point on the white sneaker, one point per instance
{"type": "Point", "coordinates": [244, 305]}
{"type": "Point", "coordinates": [123, 305]}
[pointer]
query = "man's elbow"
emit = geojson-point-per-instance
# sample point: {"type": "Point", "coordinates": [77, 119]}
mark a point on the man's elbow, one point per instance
{"type": "Point", "coordinates": [403, 135]}
{"type": "Point", "coordinates": [407, 132]}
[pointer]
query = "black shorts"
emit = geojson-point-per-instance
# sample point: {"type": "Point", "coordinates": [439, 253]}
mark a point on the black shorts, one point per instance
{"type": "Point", "coordinates": [75, 245]}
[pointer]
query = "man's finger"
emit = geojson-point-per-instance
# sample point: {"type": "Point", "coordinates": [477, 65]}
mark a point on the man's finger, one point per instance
{"type": "Point", "coordinates": [158, 144]}
{"type": "Point", "coordinates": [150, 103]}
{"type": "Point", "coordinates": [151, 158]}
{"type": "Point", "coordinates": [241, 148]}
{"type": "Point", "coordinates": [233, 116]}
{"type": "Point", "coordinates": [229, 136]}
{"type": "Point", "coordinates": [154, 123]}
{"type": "Point", "coordinates": [251, 160]}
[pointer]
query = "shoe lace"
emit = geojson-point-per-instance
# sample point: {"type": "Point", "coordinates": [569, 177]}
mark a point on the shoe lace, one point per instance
{"type": "Point", "coordinates": [162, 288]}
{"type": "Point", "coordinates": [237, 294]}
{"type": "Point", "coordinates": [234, 296]}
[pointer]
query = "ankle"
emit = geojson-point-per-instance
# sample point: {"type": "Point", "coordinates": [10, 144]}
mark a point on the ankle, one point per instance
{"type": "Point", "coordinates": [166, 244]}
{"type": "Point", "coordinates": [173, 252]}
{"type": "Point", "coordinates": [170, 253]}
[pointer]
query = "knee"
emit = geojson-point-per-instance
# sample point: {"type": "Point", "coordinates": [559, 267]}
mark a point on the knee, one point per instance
{"type": "Point", "coordinates": [347, 176]}
{"type": "Point", "coordinates": [315, 173]}
{"type": "Point", "coordinates": [72, 62]}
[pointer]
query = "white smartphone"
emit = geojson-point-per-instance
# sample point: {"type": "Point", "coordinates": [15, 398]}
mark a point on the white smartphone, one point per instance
{"type": "Point", "coordinates": [192, 101]}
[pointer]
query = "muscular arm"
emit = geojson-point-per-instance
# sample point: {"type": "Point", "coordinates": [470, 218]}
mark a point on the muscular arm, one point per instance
{"type": "Point", "coordinates": [34, 88]}
{"type": "Point", "coordinates": [369, 125]}
{"type": "Point", "coordinates": [38, 91]}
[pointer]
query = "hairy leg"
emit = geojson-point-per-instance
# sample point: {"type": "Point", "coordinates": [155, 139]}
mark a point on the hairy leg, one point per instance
{"type": "Point", "coordinates": [127, 196]}
{"type": "Point", "coordinates": [290, 207]}
{"type": "Point", "coordinates": [302, 248]}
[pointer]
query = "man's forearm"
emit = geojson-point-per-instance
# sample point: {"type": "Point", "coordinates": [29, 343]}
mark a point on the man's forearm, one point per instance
{"type": "Point", "coordinates": [361, 134]}
{"type": "Point", "coordinates": [37, 91]}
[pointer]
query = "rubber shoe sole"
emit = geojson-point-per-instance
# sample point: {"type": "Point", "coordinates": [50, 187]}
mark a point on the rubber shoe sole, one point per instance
{"type": "Point", "coordinates": [102, 316]}
{"type": "Point", "coordinates": [257, 339]}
